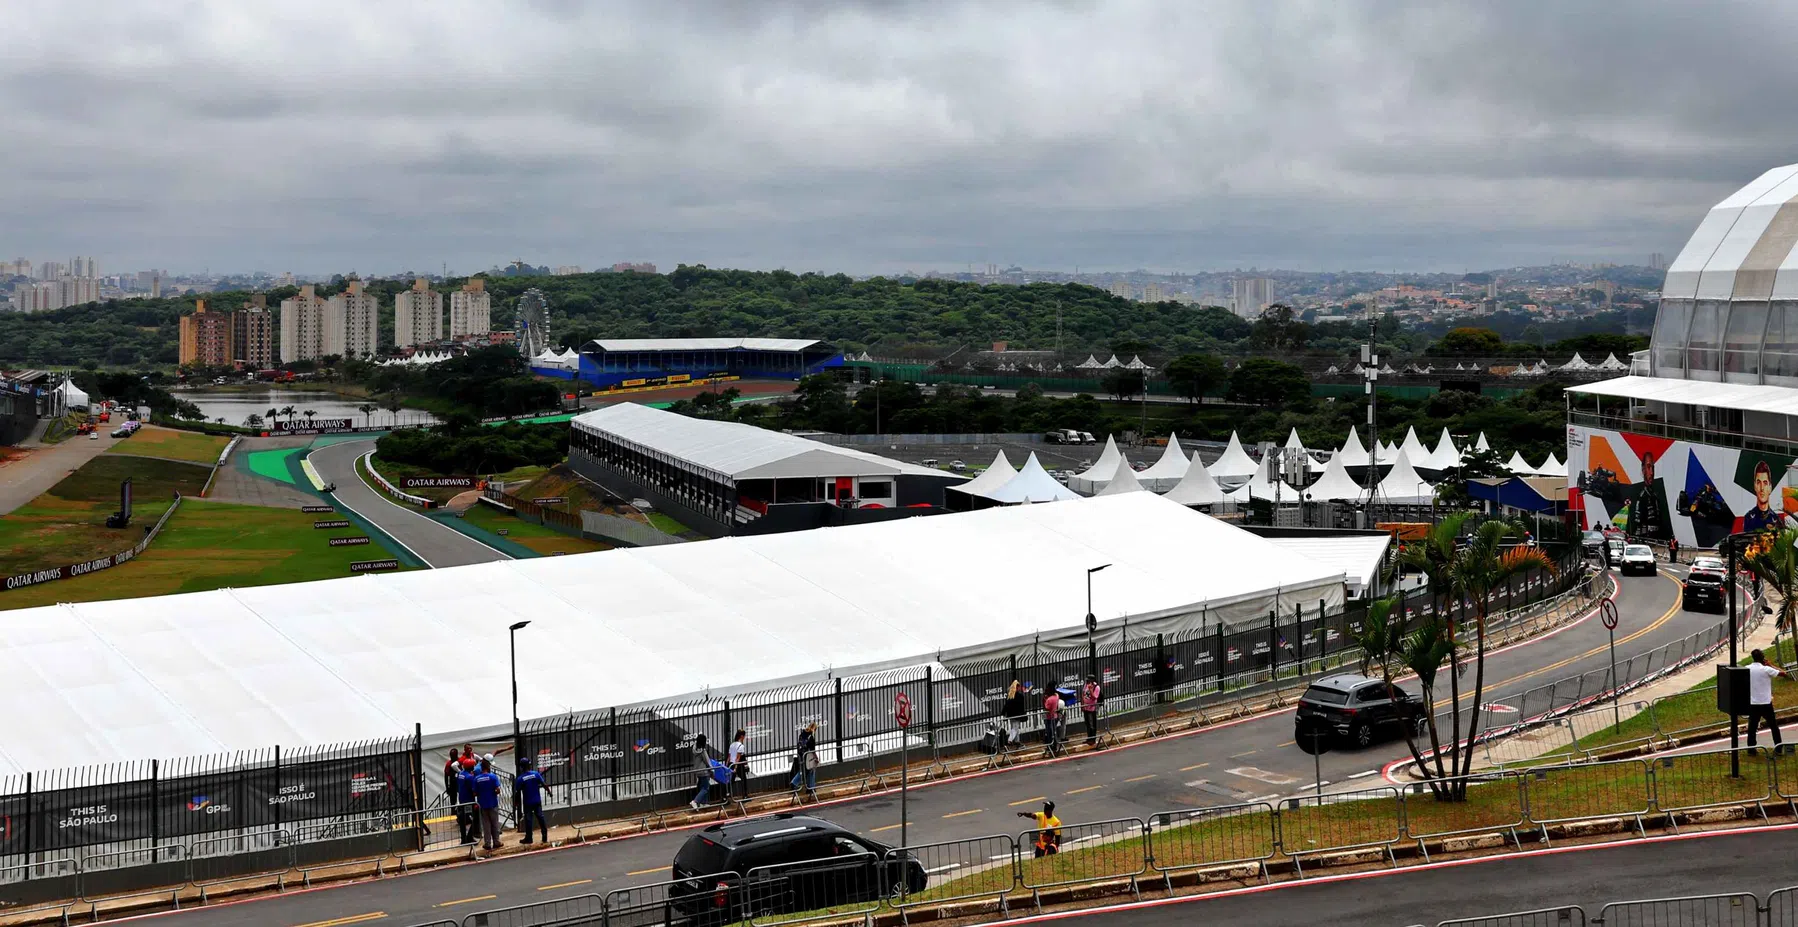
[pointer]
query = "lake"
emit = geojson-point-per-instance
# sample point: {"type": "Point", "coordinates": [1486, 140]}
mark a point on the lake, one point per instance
{"type": "Point", "coordinates": [235, 405]}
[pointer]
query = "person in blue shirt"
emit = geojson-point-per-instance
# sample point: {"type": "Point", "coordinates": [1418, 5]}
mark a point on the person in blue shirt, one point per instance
{"type": "Point", "coordinates": [531, 789]}
{"type": "Point", "coordinates": [486, 797]}
{"type": "Point", "coordinates": [465, 812]}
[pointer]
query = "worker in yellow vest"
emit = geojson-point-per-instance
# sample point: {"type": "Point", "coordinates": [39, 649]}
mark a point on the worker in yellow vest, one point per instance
{"type": "Point", "coordinates": [1048, 829]}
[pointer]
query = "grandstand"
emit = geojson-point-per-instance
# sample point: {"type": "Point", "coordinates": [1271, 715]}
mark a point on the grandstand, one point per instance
{"type": "Point", "coordinates": [727, 478]}
{"type": "Point", "coordinates": [627, 362]}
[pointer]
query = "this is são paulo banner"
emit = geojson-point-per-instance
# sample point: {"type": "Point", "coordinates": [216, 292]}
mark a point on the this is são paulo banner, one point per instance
{"type": "Point", "coordinates": [1660, 488]}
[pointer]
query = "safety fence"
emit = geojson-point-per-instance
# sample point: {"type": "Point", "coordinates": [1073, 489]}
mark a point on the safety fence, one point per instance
{"type": "Point", "coordinates": [1728, 909]}
{"type": "Point", "coordinates": [857, 877]}
{"type": "Point", "coordinates": [224, 456]}
{"type": "Point", "coordinates": [367, 463]}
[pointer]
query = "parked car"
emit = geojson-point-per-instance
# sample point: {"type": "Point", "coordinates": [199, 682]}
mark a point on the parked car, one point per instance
{"type": "Point", "coordinates": [1638, 558]}
{"type": "Point", "coordinates": [1086, 437]}
{"type": "Point", "coordinates": [1358, 708]}
{"type": "Point", "coordinates": [1704, 587]}
{"type": "Point", "coordinates": [837, 867]}
{"type": "Point", "coordinates": [1053, 437]}
{"type": "Point", "coordinates": [957, 466]}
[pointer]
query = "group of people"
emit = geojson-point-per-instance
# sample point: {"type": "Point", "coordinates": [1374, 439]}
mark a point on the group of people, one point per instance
{"type": "Point", "coordinates": [1055, 712]}
{"type": "Point", "coordinates": [474, 781]}
{"type": "Point", "coordinates": [733, 772]}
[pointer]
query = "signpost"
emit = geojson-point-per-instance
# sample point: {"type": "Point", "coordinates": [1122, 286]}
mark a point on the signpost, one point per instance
{"type": "Point", "coordinates": [902, 714]}
{"type": "Point", "coordinates": [1607, 612]}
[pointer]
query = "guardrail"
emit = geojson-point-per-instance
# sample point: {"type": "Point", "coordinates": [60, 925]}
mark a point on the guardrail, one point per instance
{"type": "Point", "coordinates": [367, 462]}
{"type": "Point", "coordinates": [224, 455]}
{"type": "Point", "coordinates": [859, 879]}
{"type": "Point", "coordinates": [1731, 908]}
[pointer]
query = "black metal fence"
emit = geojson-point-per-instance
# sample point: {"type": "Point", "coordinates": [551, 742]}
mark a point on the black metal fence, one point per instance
{"type": "Point", "coordinates": [1730, 909]}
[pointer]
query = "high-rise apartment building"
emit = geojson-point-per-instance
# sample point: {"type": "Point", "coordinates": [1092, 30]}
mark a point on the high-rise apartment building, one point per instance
{"type": "Point", "coordinates": [417, 315]}
{"type": "Point", "coordinates": [302, 326]}
{"type": "Point", "coordinates": [206, 337]}
{"type": "Point", "coordinates": [15, 268]}
{"type": "Point", "coordinates": [82, 267]}
{"type": "Point", "coordinates": [565, 270]}
{"type": "Point", "coordinates": [1153, 293]}
{"type": "Point", "coordinates": [1250, 295]}
{"type": "Point", "coordinates": [50, 270]}
{"type": "Point", "coordinates": [1122, 289]}
{"type": "Point", "coordinates": [471, 309]}
{"type": "Point", "coordinates": [55, 294]}
{"type": "Point", "coordinates": [352, 320]}
{"type": "Point", "coordinates": [253, 334]}
{"type": "Point", "coordinates": [639, 268]}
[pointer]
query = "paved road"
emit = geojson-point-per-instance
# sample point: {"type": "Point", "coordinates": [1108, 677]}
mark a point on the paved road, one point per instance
{"type": "Point", "coordinates": [1212, 766]}
{"type": "Point", "coordinates": [437, 545]}
{"type": "Point", "coordinates": [1757, 861]}
{"type": "Point", "coordinates": [37, 469]}
{"type": "Point", "coordinates": [236, 483]}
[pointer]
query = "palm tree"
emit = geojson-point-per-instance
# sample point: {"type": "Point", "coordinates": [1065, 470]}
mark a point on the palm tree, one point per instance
{"type": "Point", "coordinates": [1467, 577]}
{"type": "Point", "coordinates": [252, 421]}
{"type": "Point", "coordinates": [393, 405]}
{"type": "Point", "coordinates": [1776, 564]}
{"type": "Point", "coordinates": [287, 411]}
{"type": "Point", "coordinates": [310, 413]}
{"type": "Point", "coordinates": [1387, 641]}
{"type": "Point", "coordinates": [367, 409]}
{"type": "Point", "coordinates": [271, 414]}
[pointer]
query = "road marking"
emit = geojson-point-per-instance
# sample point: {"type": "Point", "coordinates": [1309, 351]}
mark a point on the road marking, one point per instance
{"type": "Point", "coordinates": [355, 919]}
{"type": "Point", "coordinates": [888, 827]}
{"type": "Point", "coordinates": [1078, 791]}
{"type": "Point", "coordinates": [458, 901]}
{"type": "Point", "coordinates": [1193, 767]}
{"type": "Point", "coordinates": [1261, 775]}
{"type": "Point", "coordinates": [1141, 778]}
{"type": "Point", "coordinates": [648, 871]}
{"type": "Point", "coordinates": [1289, 743]}
{"type": "Point", "coordinates": [1027, 801]}
{"type": "Point", "coordinates": [1243, 754]}
{"type": "Point", "coordinates": [1359, 775]}
{"type": "Point", "coordinates": [962, 814]}
{"type": "Point", "coordinates": [1322, 782]}
{"type": "Point", "coordinates": [950, 866]}
{"type": "Point", "coordinates": [1001, 856]}
{"type": "Point", "coordinates": [545, 888]}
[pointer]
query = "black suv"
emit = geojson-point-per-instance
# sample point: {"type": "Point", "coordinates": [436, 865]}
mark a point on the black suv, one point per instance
{"type": "Point", "coordinates": [1358, 708]}
{"type": "Point", "coordinates": [1704, 588]}
{"type": "Point", "coordinates": [782, 864]}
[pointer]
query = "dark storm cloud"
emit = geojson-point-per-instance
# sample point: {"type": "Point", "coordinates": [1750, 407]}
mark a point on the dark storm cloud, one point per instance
{"type": "Point", "coordinates": [329, 134]}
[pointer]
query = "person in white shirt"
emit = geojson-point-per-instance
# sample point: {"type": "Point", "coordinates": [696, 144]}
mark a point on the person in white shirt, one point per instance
{"type": "Point", "coordinates": [739, 763]}
{"type": "Point", "coordinates": [1760, 696]}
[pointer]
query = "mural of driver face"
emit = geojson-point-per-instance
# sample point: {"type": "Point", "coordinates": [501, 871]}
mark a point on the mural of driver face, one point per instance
{"type": "Point", "coordinates": [1763, 485]}
{"type": "Point", "coordinates": [1648, 467]}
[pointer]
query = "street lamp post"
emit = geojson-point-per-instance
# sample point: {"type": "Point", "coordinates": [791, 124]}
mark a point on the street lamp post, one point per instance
{"type": "Point", "coordinates": [512, 636]}
{"type": "Point", "coordinates": [1092, 622]}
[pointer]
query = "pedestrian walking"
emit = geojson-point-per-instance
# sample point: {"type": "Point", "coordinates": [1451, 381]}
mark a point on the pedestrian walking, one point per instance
{"type": "Point", "coordinates": [1052, 721]}
{"type": "Point", "coordinates": [702, 770]}
{"type": "Point", "coordinates": [1048, 829]}
{"type": "Point", "coordinates": [1016, 706]}
{"type": "Point", "coordinates": [1164, 678]}
{"type": "Point", "coordinates": [1089, 709]}
{"type": "Point", "coordinates": [486, 797]}
{"type": "Point", "coordinates": [531, 789]}
{"type": "Point", "coordinates": [805, 760]}
{"type": "Point", "coordinates": [738, 758]}
{"type": "Point", "coordinates": [466, 814]}
{"type": "Point", "coordinates": [1760, 696]}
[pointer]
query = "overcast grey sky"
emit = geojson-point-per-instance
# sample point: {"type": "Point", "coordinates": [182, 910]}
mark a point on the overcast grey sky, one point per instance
{"type": "Point", "coordinates": [329, 135]}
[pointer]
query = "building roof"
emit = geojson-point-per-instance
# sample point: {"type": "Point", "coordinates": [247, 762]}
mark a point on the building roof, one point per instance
{"type": "Point", "coordinates": [1358, 556]}
{"type": "Point", "coordinates": [1746, 247]}
{"type": "Point", "coordinates": [1033, 484]}
{"type": "Point", "coordinates": [1747, 397]}
{"type": "Point", "coordinates": [991, 478]}
{"type": "Point", "coordinates": [368, 656]}
{"type": "Point", "coordinates": [736, 451]}
{"type": "Point", "coordinates": [700, 344]}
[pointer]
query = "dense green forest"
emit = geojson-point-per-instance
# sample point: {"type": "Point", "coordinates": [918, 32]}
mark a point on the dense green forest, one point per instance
{"type": "Point", "coordinates": [888, 318]}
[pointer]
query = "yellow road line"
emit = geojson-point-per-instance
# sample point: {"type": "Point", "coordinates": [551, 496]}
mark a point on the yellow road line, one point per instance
{"type": "Point", "coordinates": [1026, 801]}
{"type": "Point", "coordinates": [1087, 789]}
{"type": "Point", "coordinates": [354, 919]}
{"type": "Point", "coordinates": [1141, 778]}
{"type": "Point", "coordinates": [1244, 753]}
{"type": "Point", "coordinates": [458, 901]}
{"type": "Point", "coordinates": [1289, 743]}
{"type": "Point", "coordinates": [960, 814]}
{"type": "Point", "coordinates": [1194, 766]}
{"type": "Point", "coordinates": [888, 827]}
{"type": "Point", "coordinates": [648, 871]}
{"type": "Point", "coordinates": [545, 888]}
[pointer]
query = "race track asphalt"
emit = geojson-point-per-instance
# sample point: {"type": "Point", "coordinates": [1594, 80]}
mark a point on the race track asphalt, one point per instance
{"type": "Point", "coordinates": [436, 544]}
{"type": "Point", "coordinates": [1211, 766]}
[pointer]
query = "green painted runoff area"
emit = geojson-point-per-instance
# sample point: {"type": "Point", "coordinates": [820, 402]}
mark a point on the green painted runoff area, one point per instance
{"type": "Point", "coordinates": [274, 464]}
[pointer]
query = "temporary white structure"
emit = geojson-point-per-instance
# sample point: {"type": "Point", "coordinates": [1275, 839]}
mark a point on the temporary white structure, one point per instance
{"type": "Point", "coordinates": [1519, 466]}
{"type": "Point", "coordinates": [1114, 362]}
{"type": "Point", "coordinates": [1235, 466]}
{"type": "Point", "coordinates": [1413, 448]}
{"type": "Point", "coordinates": [995, 476]}
{"type": "Point", "coordinates": [1335, 485]}
{"type": "Point", "coordinates": [1403, 485]}
{"type": "Point", "coordinates": [1611, 362]}
{"type": "Point", "coordinates": [1352, 453]}
{"type": "Point", "coordinates": [72, 396]}
{"type": "Point", "coordinates": [363, 657]}
{"type": "Point", "coordinates": [1578, 363]}
{"type": "Point", "coordinates": [1292, 441]}
{"type": "Point", "coordinates": [1167, 472]}
{"type": "Point", "coordinates": [1386, 454]}
{"type": "Point", "coordinates": [1332, 369]}
{"type": "Point", "coordinates": [1091, 363]}
{"type": "Point", "coordinates": [1032, 484]}
{"type": "Point", "coordinates": [1196, 487]}
{"type": "Point", "coordinates": [1093, 478]}
{"type": "Point", "coordinates": [1137, 364]}
{"type": "Point", "coordinates": [1263, 486]}
{"type": "Point", "coordinates": [1480, 444]}
{"type": "Point", "coordinates": [1552, 466]}
{"type": "Point", "coordinates": [1444, 457]}
{"type": "Point", "coordinates": [1123, 480]}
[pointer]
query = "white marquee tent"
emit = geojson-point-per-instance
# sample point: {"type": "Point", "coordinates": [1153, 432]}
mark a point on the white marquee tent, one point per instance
{"type": "Point", "coordinates": [1166, 473]}
{"type": "Point", "coordinates": [1196, 487]}
{"type": "Point", "coordinates": [1412, 447]}
{"type": "Point", "coordinates": [1353, 454]}
{"type": "Point", "coordinates": [1234, 466]}
{"type": "Point", "coordinates": [71, 395]}
{"type": "Point", "coordinates": [1335, 485]}
{"type": "Point", "coordinates": [1263, 486]}
{"type": "Point", "coordinates": [1093, 478]}
{"type": "Point", "coordinates": [1123, 480]}
{"type": "Point", "coordinates": [994, 477]}
{"type": "Point", "coordinates": [1552, 466]}
{"type": "Point", "coordinates": [1481, 445]}
{"type": "Point", "coordinates": [368, 656]}
{"type": "Point", "coordinates": [1444, 457]}
{"type": "Point", "coordinates": [1091, 363]}
{"type": "Point", "coordinates": [1611, 362]}
{"type": "Point", "coordinates": [1032, 484]}
{"type": "Point", "coordinates": [1519, 466]}
{"type": "Point", "coordinates": [1403, 485]}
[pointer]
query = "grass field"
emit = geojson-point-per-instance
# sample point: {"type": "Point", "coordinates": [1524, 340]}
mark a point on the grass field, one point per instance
{"type": "Point", "coordinates": [212, 545]}
{"type": "Point", "coordinates": [68, 523]}
{"type": "Point", "coordinates": [152, 441]}
{"type": "Point", "coordinates": [560, 481]}
{"type": "Point", "coordinates": [545, 541]}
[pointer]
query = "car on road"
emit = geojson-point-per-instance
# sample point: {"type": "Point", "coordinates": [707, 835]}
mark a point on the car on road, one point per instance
{"type": "Point", "coordinates": [1592, 543]}
{"type": "Point", "coordinates": [93, 436]}
{"type": "Point", "coordinates": [1614, 548]}
{"type": "Point", "coordinates": [781, 864]}
{"type": "Point", "coordinates": [1704, 587]}
{"type": "Point", "coordinates": [957, 465]}
{"type": "Point", "coordinates": [1638, 558]}
{"type": "Point", "coordinates": [1358, 708]}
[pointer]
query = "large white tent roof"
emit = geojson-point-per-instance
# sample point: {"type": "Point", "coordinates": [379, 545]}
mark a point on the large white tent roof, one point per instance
{"type": "Point", "coordinates": [1403, 485]}
{"type": "Point", "coordinates": [1032, 484]}
{"type": "Point", "coordinates": [1444, 457]}
{"type": "Point", "coordinates": [1353, 453]}
{"type": "Point", "coordinates": [1196, 487]}
{"type": "Point", "coordinates": [1235, 463]}
{"type": "Point", "coordinates": [1123, 480]}
{"type": "Point", "coordinates": [72, 396]}
{"type": "Point", "coordinates": [1335, 485]}
{"type": "Point", "coordinates": [1519, 466]}
{"type": "Point", "coordinates": [994, 477]}
{"type": "Point", "coordinates": [1093, 478]}
{"type": "Point", "coordinates": [1413, 448]}
{"type": "Point", "coordinates": [1263, 486]}
{"type": "Point", "coordinates": [1165, 474]}
{"type": "Point", "coordinates": [735, 450]}
{"type": "Point", "coordinates": [369, 656]}
{"type": "Point", "coordinates": [1358, 556]}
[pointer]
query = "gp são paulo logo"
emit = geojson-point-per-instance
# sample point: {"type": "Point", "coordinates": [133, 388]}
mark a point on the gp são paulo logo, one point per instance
{"type": "Point", "coordinates": [644, 747]}
{"type": "Point", "coordinates": [853, 714]}
{"type": "Point", "coordinates": [203, 804]}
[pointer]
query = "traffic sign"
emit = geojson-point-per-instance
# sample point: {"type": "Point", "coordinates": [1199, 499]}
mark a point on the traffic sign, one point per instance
{"type": "Point", "coordinates": [902, 709]}
{"type": "Point", "coordinates": [1607, 612]}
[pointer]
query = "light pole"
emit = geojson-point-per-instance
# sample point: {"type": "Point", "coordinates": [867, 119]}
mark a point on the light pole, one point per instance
{"type": "Point", "coordinates": [1092, 622]}
{"type": "Point", "coordinates": [512, 635]}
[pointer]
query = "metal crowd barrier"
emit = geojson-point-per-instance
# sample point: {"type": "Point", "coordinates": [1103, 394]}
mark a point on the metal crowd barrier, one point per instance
{"type": "Point", "coordinates": [1729, 909]}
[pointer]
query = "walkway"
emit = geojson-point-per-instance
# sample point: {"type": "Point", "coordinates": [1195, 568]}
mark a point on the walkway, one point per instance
{"type": "Point", "coordinates": [34, 471]}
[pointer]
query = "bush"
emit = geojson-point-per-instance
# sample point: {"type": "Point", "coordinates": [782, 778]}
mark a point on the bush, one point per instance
{"type": "Point", "coordinates": [459, 449]}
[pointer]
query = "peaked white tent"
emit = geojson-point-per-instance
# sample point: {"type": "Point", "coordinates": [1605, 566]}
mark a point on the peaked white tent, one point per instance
{"type": "Point", "coordinates": [1093, 478]}
{"type": "Point", "coordinates": [1480, 444]}
{"type": "Point", "coordinates": [1358, 370]}
{"type": "Point", "coordinates": [1196, 487]}
{"type": "Point", "coordinates": [1552, 466]}
{"type": "Point", "coordinates": [1335, 485]}
{"type": "Point", "coordinates": [1612, 363]}
{"type": "Point", "coordinates": [1578, 363]}
{"type": "Point", "coordinates": [1032, 484]}
{"type": "Point", "coordinates": [1235, 466]}
{"type": "Point", "coordinates": [1332, 369]}
{"type": "Point", "coordinates": [1263, 486]}
{"type": "Point", "coordinates": [1167, 472]}
{"type": "Point", "coordinates": [71, 395]}
{"type": "Point", "coordinates": [1387, 368]}
{"type": "Point", "coordinates": [1412, 447]}
{"type": "Point", "coordinates": [995, 476]}
{"type": "Point", "coordinates": [1137, 364]}
{"type": "Point", "coordinates": [1114, 362]}
{"type": "Point", "coordinates": [1385, 454]}
{"type": "Point", "coordinates": [1519, 466]}
{"type": "Point", "coordinates": [1091, 363]}
{"type": "Point", "coordinates": [1292, 441]}
{"type": "Point", "coordinates": [1123, 480]}
{"type": "Point", "coordinates": [1444, 456]}
{"type": "Point", "coordinates": [1403, 485]}
{"type": "Point", "coordinates": [1353, 454]}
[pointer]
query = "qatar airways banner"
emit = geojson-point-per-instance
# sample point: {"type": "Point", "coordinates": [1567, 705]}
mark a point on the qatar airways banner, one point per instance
{"type": "Point", "coordinates": [1660, 488]}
